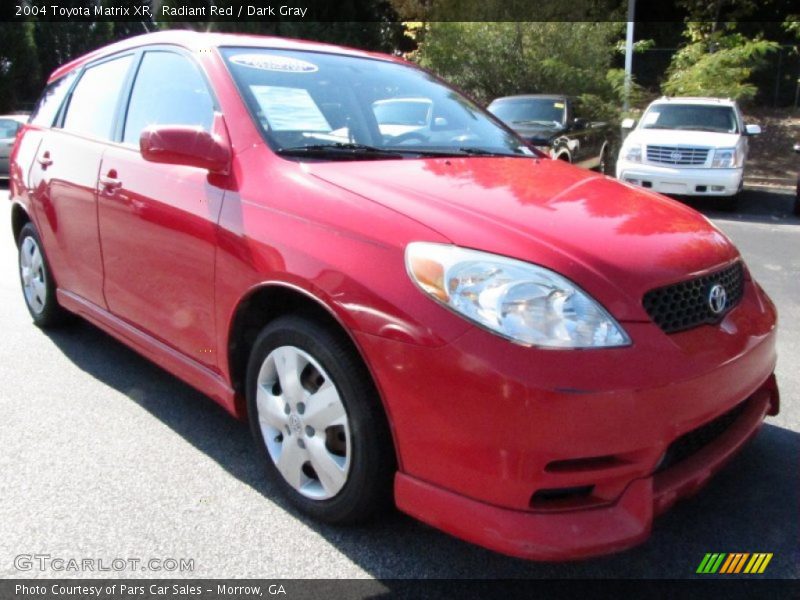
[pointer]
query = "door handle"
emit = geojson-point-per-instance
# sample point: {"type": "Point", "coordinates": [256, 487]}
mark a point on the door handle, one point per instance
{"type": "Point", "coordinates": [45, 160]}
{"type": "Point", "coordinates": [110, 182]}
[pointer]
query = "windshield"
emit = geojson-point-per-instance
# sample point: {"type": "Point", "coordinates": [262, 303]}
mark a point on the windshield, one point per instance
{"type": "Point", "coordinates": [8, 128]}
{"type": "Point", "coordinates": [315, 102]}
{"type": "Point", "coordinates": [695, 117]}
{"type": "Point", "coordinates": [530, 111]}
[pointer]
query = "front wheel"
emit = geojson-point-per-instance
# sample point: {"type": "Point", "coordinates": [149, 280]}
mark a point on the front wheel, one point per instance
{"type": "Point", "coordinates": [317, 420]}
{"type": "Point", "coordinates": [38, 286]}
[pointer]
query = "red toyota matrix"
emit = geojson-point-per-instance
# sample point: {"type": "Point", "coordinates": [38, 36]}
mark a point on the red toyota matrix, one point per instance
{"type": "Point", "coordinates": [406, 303]}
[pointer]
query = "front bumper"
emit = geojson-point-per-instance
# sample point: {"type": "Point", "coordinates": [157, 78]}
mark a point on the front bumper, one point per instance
{"type": "Point", "coordinates": [577, 534]}
{"type": "Point", "coordinates": [681, 181]}
{"type": "Point", "coordinates": [554, 455]}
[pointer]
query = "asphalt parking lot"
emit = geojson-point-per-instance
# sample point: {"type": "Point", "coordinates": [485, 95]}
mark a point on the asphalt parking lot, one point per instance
{"type": "Point", "coordinates": [105, 455]}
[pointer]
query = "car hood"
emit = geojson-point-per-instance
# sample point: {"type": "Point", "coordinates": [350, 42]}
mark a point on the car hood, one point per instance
{"type": "Point", "coordinates": [537, 135]}
{"type": "Point", "coordinates": [670, 137]}
{"type": "Point", "coordinates": [612, 239]}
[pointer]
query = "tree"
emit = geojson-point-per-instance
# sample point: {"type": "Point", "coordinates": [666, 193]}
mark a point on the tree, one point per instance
{"type": "Point", "coordinates": [19, 66]}
{"type": "Point", "coordinates": [720, 65]}
{"type": "Point", "coordinates": [717, 60]}
{"type": "Point", "coordinates": [488, 59]}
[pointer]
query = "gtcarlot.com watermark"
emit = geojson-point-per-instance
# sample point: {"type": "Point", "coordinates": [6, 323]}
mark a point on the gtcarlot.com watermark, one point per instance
{"type": "Point", "coordinates": [71, 564]}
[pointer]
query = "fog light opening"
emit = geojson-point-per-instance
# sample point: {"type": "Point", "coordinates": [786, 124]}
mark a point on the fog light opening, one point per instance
{"type": "Point", "coordinates": [561, 497]}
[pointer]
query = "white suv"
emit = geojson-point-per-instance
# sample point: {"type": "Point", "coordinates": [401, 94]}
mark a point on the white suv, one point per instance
{"type": "Point", "coordinates": [687, 146]}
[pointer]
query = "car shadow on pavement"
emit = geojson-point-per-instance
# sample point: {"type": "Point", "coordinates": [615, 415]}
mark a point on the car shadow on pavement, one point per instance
{"type": "Point", "coordinates": [751, 506]}
{"type": "Point", "coordinates": [754, 205]}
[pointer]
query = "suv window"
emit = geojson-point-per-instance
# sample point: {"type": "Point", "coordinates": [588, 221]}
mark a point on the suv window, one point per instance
{"type": "Point", "coordinates": [51, 100]}
{"type": "Point", "coordinates": [9, 128]}
{"type": "Point", "coordinates": [169, 90]}
{"type": "Point", "coordinates": [94, 100]}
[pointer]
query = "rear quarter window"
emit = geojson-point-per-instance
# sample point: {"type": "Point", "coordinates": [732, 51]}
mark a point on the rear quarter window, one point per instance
{"type": "Point", "coordinates": [46, 109]}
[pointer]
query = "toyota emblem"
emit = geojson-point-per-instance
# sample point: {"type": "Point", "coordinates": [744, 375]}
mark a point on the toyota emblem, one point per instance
{"type": "Point", "coordinates": [717, 299]}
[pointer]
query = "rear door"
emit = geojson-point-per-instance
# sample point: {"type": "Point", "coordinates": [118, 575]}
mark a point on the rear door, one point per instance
{"type": "Point", "coordinates": [63, 178]}
{"type": "Point", "coordinates": [158, 221]}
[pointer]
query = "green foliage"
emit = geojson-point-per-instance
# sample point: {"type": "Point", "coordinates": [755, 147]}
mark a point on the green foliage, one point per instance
{"type": "Point", "coordinates": [792, 25]}
{"type": "Point", "coordinates": [719, 64]}
{"type": "Point", "coordinates": [488, 60]}
{"type": "Point", "coordinates": [19, 66]}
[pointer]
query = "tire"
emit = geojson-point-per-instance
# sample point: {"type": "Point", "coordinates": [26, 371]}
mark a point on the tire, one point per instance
{"type": "Point", "coordinates": [603, 167]}
{"type": "Point", "coordinates": [335, 462]}
{"type": "Point", "coordinates": [36, 278]}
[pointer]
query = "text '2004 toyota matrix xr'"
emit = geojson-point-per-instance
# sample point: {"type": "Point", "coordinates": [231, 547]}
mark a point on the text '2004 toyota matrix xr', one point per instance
{"type": "Point", "coordinates": [524, 354]}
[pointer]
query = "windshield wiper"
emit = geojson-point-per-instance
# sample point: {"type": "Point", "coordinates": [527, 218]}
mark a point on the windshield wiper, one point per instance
{"type": "Point", "coordinates": [355, 151]}
{"type": "Point", "coordinates": [339, 150]}
{"type": "Point", "coordinates": [535, 122]}
{"type": "Point", "coordinates": [483, 152]}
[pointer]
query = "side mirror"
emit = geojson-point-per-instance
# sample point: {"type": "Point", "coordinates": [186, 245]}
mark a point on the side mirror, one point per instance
{"type": "Point", "coordinates": [440, 123]}
{"type": "Point", "coordinates": [579, 123]}
{"type": "Point", "coordinates": [628, 123]}
{"type": "Point", "coordinates": [752, 129]}
{"type": "Point", "coordinates": [184, 145]}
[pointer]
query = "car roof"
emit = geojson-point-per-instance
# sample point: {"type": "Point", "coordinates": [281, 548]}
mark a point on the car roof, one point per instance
{"type": "Point", "coordinates": [417, 99]}
{"type": "Point", "coordinates": [197, 41]}
{"type": "Point", "coordinates": [695, 100]}
{"type": "Point", "coordinates": [531, 96]}
{"type": "Point", "coordinates": [20, 118]}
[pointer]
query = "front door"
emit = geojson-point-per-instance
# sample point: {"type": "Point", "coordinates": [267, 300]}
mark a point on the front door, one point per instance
{"type": "Point", "coordinates": [158, 221]}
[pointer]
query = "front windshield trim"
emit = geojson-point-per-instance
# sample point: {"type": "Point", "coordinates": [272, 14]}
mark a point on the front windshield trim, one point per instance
{"type": "Point", "coordinates": [517, 148]}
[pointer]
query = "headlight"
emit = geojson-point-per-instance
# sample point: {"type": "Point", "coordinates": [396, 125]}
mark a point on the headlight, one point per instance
{"type": "Point", "coordinates": [725, 158]}
{"type": "Point", "coordinates": [632, 153]}
{"type": "Point", "coordinates": [517, 300]}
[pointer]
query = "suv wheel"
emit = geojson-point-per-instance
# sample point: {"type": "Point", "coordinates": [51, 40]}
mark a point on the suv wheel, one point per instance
{"type": "Point", "coordinates": [318, 421]}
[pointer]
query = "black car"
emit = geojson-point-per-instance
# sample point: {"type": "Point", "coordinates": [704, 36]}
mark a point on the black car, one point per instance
{"type": "Point", "coordinates": [555, 124]}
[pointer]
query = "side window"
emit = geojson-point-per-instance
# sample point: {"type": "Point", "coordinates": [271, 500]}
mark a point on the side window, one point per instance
{"type": "Point", "coordinates": [168, 90]}
{"type": "Point", "coordinates": [94, 100]}
{"type": "Point", "coordinates": [46, 109]}
{"type": "Point", "coordinates": [8, 128]}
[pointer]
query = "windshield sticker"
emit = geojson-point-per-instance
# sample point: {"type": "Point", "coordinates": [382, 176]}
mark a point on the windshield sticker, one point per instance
{"type": "Point", "coordinates": [289, 109]}
{"type": "Point", "coordinates": [273, 62]}
{"type": "Point", "coordinates": [558, 105]}
{"type": "Point", "coordinates": [651, 117]}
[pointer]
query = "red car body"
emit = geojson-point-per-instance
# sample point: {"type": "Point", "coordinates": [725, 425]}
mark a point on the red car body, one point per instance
{"type": "Point", "coordinates": [537, 453]}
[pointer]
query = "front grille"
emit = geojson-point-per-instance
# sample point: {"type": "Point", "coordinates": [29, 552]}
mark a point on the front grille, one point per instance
{"type": "Point", "coordinates": [695, 440]}
{"type": "Point", "coordinates": [676, 155]}
{"type": "Point", "coordinates": [686, 304]}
